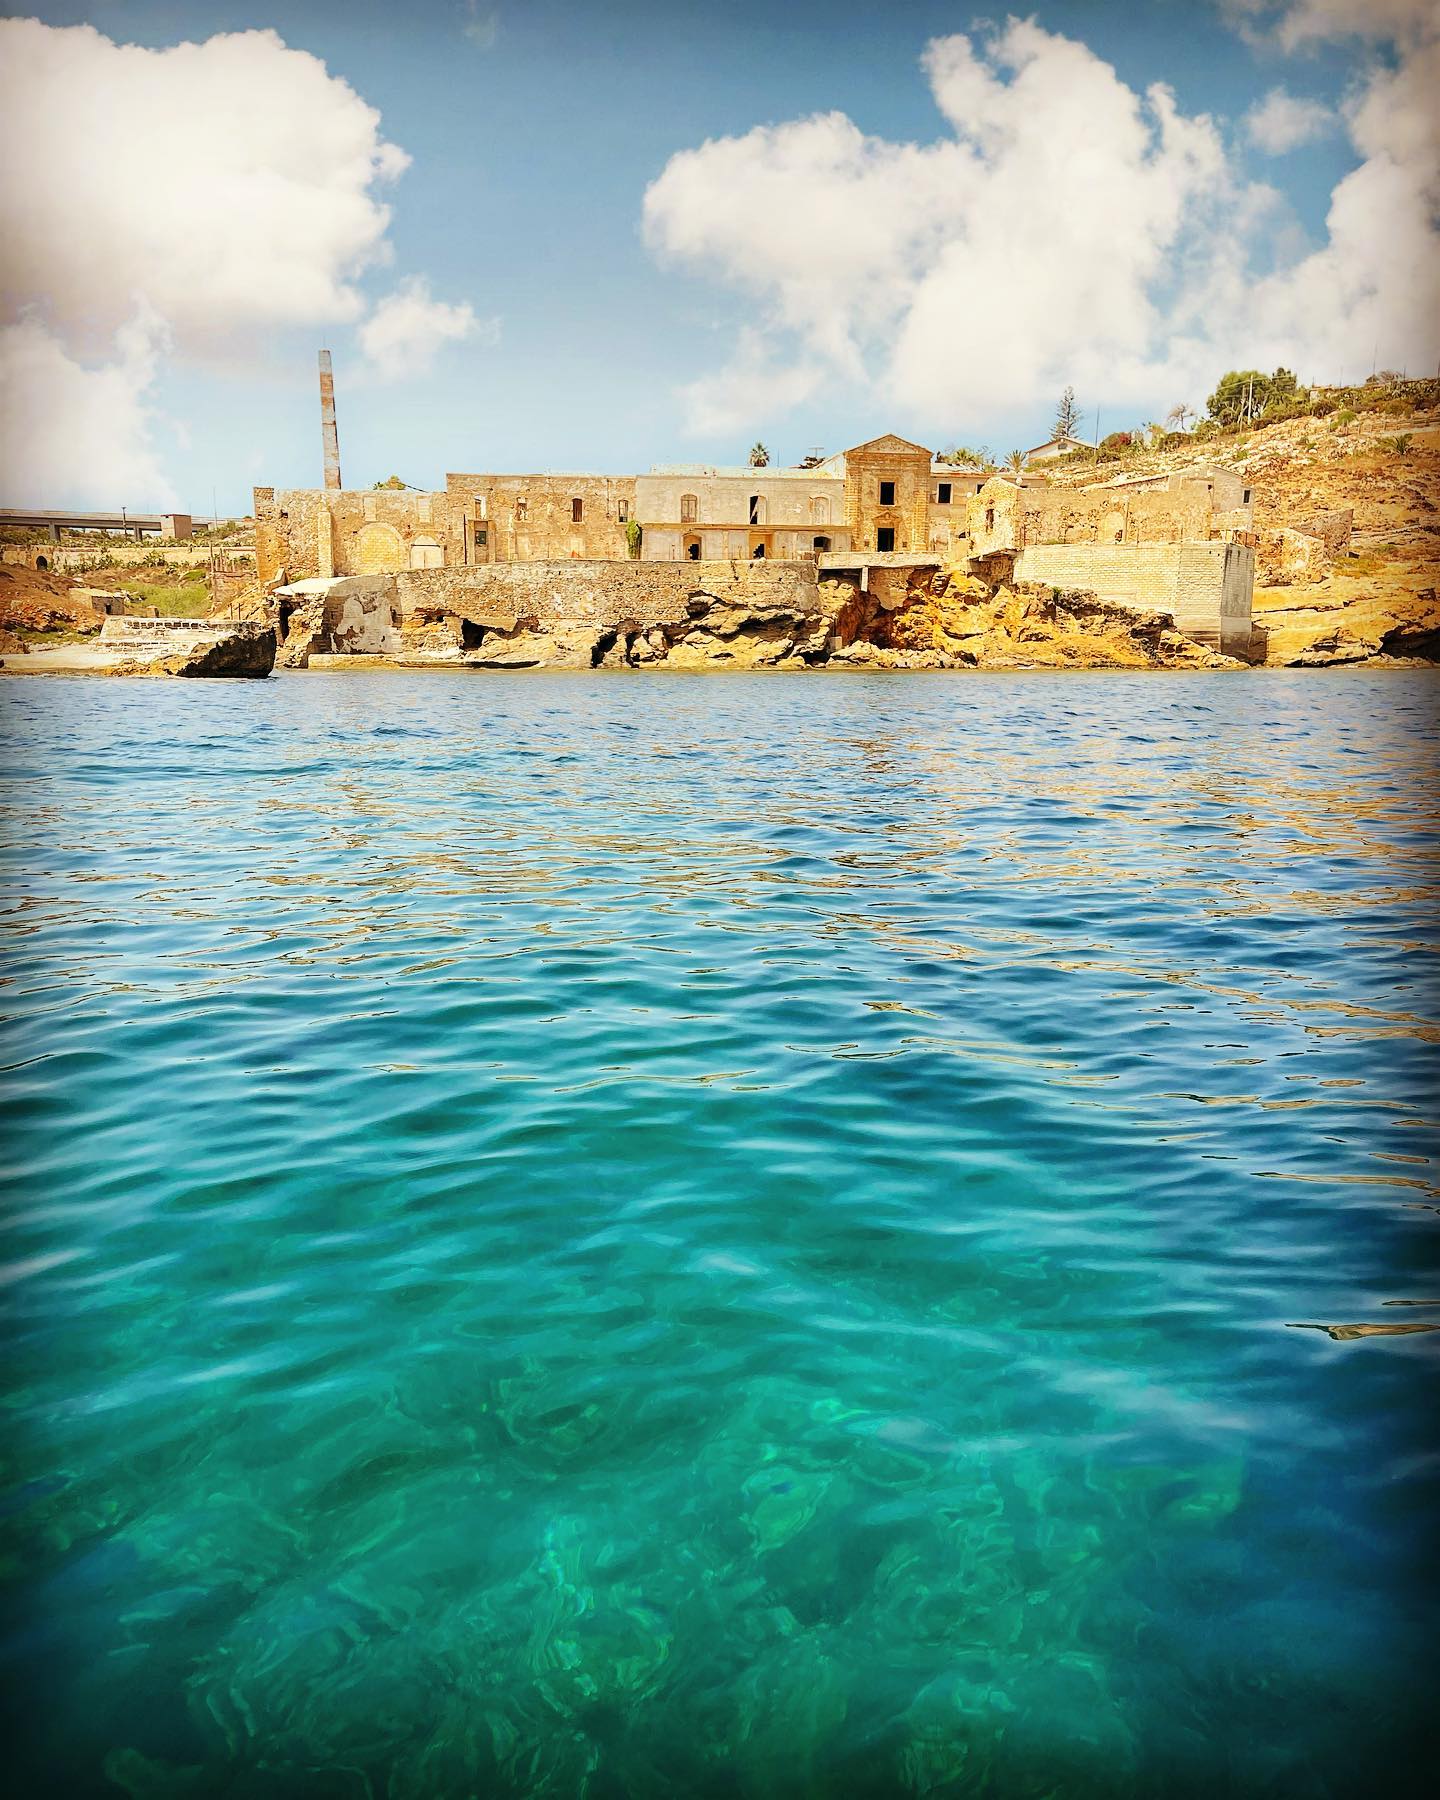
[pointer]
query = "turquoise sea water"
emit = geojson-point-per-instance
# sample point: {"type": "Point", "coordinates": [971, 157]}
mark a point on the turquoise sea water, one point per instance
{"type": "Point", "coordinates": [647, 1236]}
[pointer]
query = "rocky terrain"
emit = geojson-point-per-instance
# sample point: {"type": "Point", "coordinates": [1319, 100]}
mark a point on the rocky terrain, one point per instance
{"type": "Point", "coordinates": [1347, 517]}
{"type": "Point", "coordinates": [909, 619]}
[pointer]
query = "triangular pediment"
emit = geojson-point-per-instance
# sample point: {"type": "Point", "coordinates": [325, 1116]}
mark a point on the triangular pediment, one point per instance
{"type": "Point", "coordinates": [889, 446]}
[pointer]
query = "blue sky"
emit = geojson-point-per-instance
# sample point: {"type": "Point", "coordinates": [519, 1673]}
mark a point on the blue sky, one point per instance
{"type": "Point", "coordinates": [534, 132]}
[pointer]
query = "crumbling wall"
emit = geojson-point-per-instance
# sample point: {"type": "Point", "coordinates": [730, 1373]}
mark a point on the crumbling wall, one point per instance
{"type": "Point", "coordinates": [306, 533]}
{"type": "Point", "coordinates": [603, 593]}
{"type": "Point", "coordinates": [1206, 587]}
{"type": "Point", "coordinates": [532, 518]}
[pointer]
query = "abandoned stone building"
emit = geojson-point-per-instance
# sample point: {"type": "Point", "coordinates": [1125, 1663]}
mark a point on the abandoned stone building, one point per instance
{"type": "Point", "coordinates": [1180, 542]}
{"type": "Point", "coordinates": [886, 496]}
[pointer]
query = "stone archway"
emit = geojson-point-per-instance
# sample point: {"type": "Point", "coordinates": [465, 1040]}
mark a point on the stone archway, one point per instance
{"type": "Point", "coordinates": [379, 550]}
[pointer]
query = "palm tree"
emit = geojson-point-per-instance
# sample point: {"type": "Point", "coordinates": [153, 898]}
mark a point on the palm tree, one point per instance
{"type": "Point", "coordinates": [759, 456]}
{"type": "Point", "coordinates": [1015, 461]}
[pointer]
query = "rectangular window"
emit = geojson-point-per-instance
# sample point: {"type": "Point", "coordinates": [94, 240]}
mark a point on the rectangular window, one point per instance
{"type": "Point", "coordinates": [885, 538]}
{"type": "Point", "coordinates": [521, 507]}
{"type": "Point", "coordinates": [577, 511]}
{"type": "Point", "coordinates": [754, 509]}
{"type": "Point", "coordinates": [624, 511]}
{"type": "Point", "coordinates": [482, 537]}
{"type": "Point", "coordinates": [887, 493]}
{"type": "Point", "coordinates": [942, 494]}
{"type": "Point", "coordinates": [482, 506]}
{"type": "Point", "coordinates": [1246, 500]}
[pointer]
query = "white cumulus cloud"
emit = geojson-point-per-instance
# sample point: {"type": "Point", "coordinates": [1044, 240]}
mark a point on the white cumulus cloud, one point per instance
{"type": "Point", "coordinates": [401, 337]}
{"type": "Point", "coordinates": [1282, 122]}
{"type": "Point", "coordinates": [1065, 229]}
{"type": "Point", "coordinates": [177, 204]}
{"type": "Point", "coordinates": [1294, 23]}
{"type": "Point", "coordinates": [231, 183]}
{"type": "Point", "coordinates": [1015, 254]}
{"type": "Point", "coordinates": [74, 434]}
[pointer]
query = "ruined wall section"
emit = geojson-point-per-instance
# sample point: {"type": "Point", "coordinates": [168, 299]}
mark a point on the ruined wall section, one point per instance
{"type": "Point", "coordinates": [606, 594]}
{"type": "Point", "coordinates": [307, 532]}
{"type": "Point", "coordinates": [1003, 516]}
{"type": "Point", "coordinates": [1205, 586]}
{"type": "Point", "coordinates": [539, 518]}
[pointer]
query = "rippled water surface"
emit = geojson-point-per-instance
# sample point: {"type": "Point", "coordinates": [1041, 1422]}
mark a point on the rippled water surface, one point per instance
{"type": "Point", "coordinates": [730, 1236]}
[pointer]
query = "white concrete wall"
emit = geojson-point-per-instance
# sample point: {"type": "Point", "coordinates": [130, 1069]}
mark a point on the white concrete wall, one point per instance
{"type": "Point", "coordinates": [1205, 587]}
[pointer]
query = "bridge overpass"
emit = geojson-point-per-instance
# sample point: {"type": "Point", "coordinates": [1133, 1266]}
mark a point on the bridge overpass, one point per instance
{"type": "Point", "coordinates": [136, 525]}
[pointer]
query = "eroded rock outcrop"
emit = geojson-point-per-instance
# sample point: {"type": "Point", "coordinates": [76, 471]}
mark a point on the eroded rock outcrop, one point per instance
{"type": "Point", "coordinates": [959, 621]}
{"type": "Point", "coordinates": [1326, 630]}
{"type": "Point", "coordinates": [240, 651]}
{"type": "Point", "coordinates": [920, 617]}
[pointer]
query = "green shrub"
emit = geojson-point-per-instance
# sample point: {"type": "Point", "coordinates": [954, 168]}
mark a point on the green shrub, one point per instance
{"type": "Point", "coordinates": [1398, 446]}
{"type": "Point", "coordinates": [1345, 416]}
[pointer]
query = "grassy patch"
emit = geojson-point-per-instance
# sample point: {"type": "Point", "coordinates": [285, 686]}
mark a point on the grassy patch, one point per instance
{"type": "Point", "coordinates": [185, 599]}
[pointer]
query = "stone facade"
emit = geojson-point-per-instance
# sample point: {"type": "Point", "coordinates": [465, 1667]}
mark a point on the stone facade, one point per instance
{"type": "Point", "coordinates": [540, 518]}
{"type": "Point", "coordinates": [1006, 516]}
{"type": "Point", "coordinates": [301, 533]}
{"type": "Point", "coordinates": [702, 513]}
{"type": "Point", "coordinates": [947, 516]}
{"type": "Point", "coordinates": [887, 495]}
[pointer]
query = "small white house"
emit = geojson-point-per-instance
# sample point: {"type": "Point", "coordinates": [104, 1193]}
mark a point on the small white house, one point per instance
{"type": "Point", "coordinates": [1057, 446]}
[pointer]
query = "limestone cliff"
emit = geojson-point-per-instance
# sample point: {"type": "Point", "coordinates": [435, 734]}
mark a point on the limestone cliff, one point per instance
{"type": "Point", "coordinates": [925, 618]}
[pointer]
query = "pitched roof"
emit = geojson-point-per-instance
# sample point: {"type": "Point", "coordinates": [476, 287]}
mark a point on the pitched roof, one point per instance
{"type": "Point", "coordinates": [888, 442]}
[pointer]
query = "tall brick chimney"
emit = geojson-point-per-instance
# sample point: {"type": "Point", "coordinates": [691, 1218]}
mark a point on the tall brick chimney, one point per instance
{"type": "Point", "coordinates": [329, 430]}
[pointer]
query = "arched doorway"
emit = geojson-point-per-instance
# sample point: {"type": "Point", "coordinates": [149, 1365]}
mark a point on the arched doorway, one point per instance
{"type": "Point", "coordinates": [693, 549]}
{"type": "Point", "coordinates": [42, 562]}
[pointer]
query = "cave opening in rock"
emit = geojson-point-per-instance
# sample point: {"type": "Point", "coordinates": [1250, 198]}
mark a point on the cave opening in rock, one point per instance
{"type": "Point", "coordinates": [471, 635]}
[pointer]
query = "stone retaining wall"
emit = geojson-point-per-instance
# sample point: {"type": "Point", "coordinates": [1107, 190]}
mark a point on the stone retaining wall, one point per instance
{"type": "Point", "coordinates": [604, 593]}
{"type": "Point", "coordinates": [1206, 587]}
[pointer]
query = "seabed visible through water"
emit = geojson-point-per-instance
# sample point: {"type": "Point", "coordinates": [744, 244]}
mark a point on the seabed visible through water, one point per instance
{"type": "Point", "coordinates": [656, 1238]}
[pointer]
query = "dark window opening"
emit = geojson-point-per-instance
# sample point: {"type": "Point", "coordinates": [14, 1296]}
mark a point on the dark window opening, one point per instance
{"type": "Point", "coordinates": [885, 538]}
{"type": "Point", "coordinates": [754, 509]}
{"type": "Point", "coordinates": [482, 537]}
{"type": "Point", "coordinates": [693, 552]}
{"type": "Point", "coordinates": [1246, 500]}
{"type": "Point", "coordinates": [758, 553]}
{"type": "Point", "coordinates": [624, 511]}
{"type": "Point", "coordinates": [887, 493]}
{"type": "Point", "coordinates": [577, 511]}
{"type": "Point", "coordinates": [42, 562]}
{"type": "Point", "coordinates": [989, 518]}
{"type": "Point", "coordinates": [942, 494]}
{"type": "Point", "coordinates": [521, 507]}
